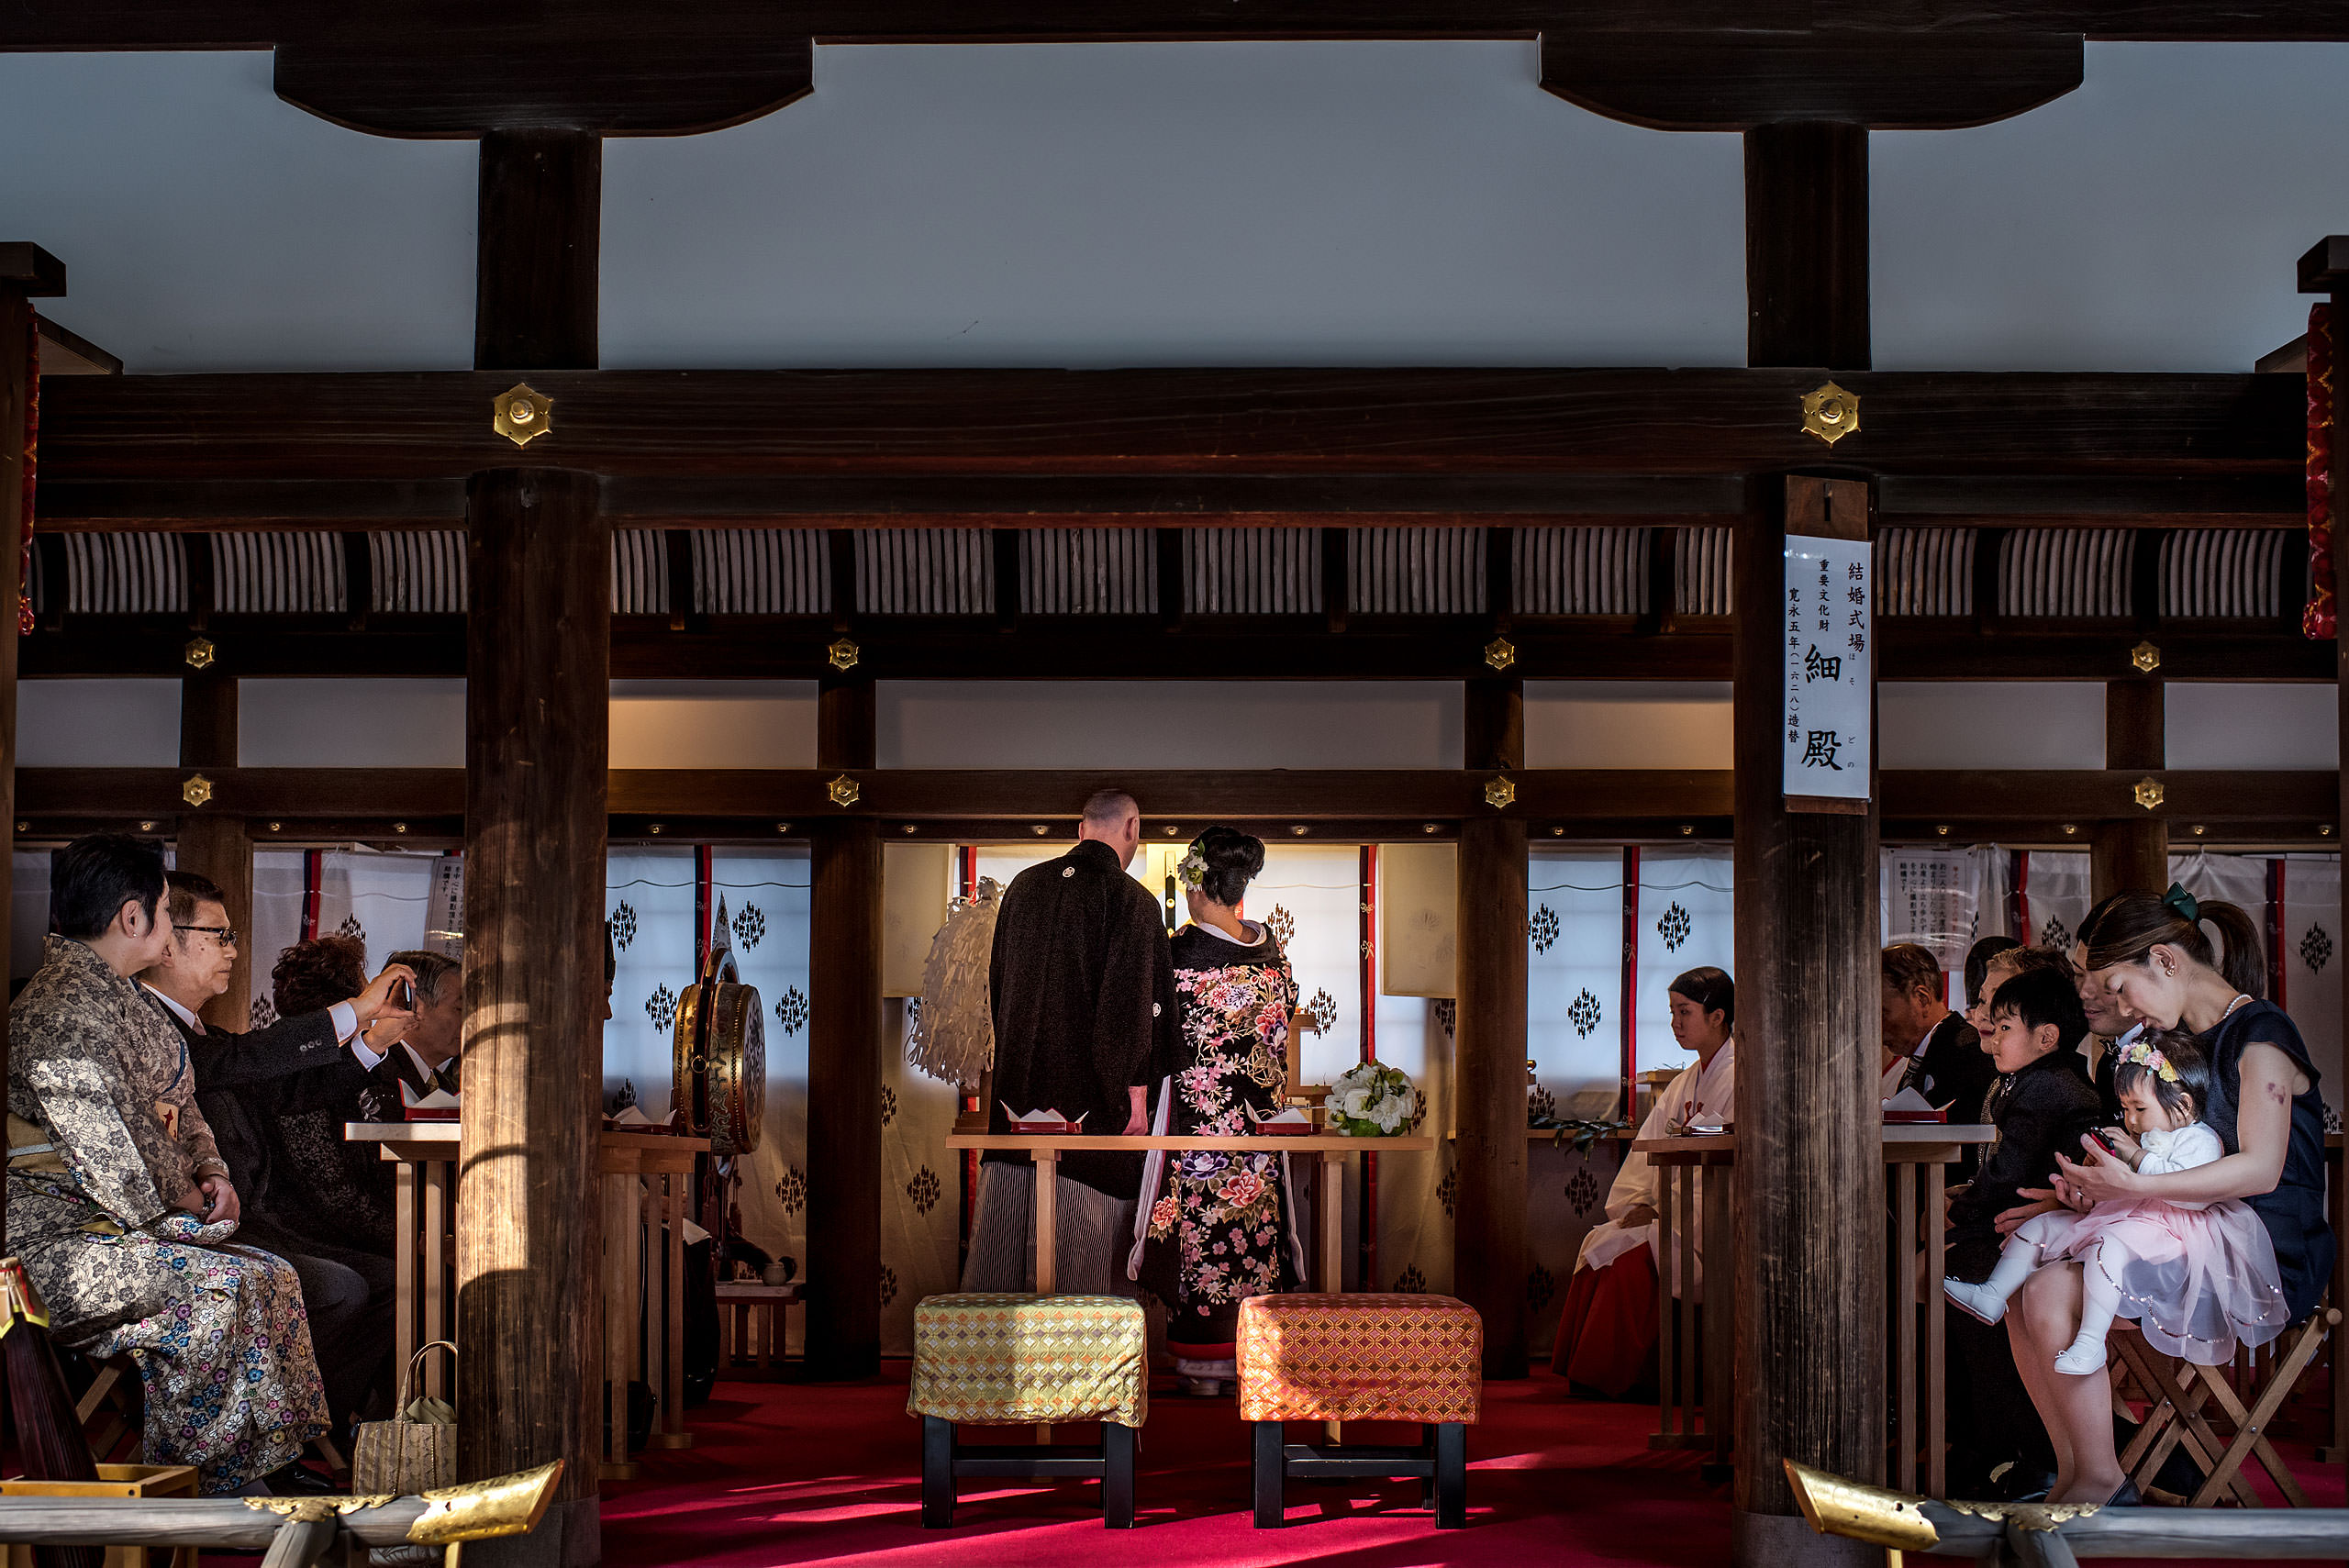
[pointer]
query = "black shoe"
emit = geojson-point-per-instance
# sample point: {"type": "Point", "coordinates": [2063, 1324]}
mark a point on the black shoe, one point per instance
{"type": "Point", "coordinates": [298, 1480]}
{"type": "Point", "coordinates": [2127, 1497]}
{"type": "Point", "coordinates": [2025, 1485]}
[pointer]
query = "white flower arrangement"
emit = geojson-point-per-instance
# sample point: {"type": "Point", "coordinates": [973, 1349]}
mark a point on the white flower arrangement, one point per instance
{"type": "Point", "coordinates": [1373, 1100]}
{"type": "Point", "coordinates": [1191, 871]}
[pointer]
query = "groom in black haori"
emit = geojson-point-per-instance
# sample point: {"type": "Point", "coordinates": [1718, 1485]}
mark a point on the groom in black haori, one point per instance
{"type": "Point", "coordinates": [1083, 988]}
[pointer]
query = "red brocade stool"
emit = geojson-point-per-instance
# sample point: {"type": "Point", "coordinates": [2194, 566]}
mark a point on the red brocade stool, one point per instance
{"type": "Point", "coordinates": [1361, 1358]}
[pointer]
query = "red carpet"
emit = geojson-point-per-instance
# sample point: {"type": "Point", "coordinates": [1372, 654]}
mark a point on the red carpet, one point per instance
{"type": "Point", "coordinates": [786, 1475]}
{"type": "Point", "coordinates": [793, 1475]}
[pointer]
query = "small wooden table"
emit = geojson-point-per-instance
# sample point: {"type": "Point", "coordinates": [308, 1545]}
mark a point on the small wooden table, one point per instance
{"type": "Point", "coordinates": [424, 1212]}
{"type": "Point", "coordinates": [750, 1329]}
{"type": "Point", "coordinates": [1330, 1208]}
{"type": "Point", "coordinates": [1917, 1159]}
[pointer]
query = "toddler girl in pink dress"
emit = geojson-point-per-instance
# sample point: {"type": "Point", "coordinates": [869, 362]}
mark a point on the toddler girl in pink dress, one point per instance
{"type": "Point", "coordinates": [2198, 1278]}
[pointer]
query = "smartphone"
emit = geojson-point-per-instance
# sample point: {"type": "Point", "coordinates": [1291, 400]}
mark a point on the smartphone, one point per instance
{"type": "Point", "coordinates": [2106, 1144]}
{"type": "Point", "coordinates": [403, 994]}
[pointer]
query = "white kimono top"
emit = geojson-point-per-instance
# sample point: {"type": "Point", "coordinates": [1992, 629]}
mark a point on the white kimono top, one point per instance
{"type": "Point", "coordinates": [1701, 1092]}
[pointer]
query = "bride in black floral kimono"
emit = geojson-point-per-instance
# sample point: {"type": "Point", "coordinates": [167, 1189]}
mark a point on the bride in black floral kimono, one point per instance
{"type": "Point", "coordinates": [1215, 1227]}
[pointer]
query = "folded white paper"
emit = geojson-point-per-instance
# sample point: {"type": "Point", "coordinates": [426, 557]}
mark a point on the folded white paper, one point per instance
{"type": "Point", "coordinates": [1907, 1099]}
{"type": "Point", "coordinates": [437, 1100]}
{"type": "Point", "coordinates": [1290, 1117]}
{"type": "Point", "coordinates": [1019, 1117]}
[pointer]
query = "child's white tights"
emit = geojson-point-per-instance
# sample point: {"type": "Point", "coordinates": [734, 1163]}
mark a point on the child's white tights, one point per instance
{"type": "Point", "coordinates": [2100, 1293]}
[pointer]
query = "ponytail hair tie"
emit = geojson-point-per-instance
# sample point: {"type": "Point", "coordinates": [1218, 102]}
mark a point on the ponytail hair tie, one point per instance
{"type": "Point", "coordinates": [2177, 898]}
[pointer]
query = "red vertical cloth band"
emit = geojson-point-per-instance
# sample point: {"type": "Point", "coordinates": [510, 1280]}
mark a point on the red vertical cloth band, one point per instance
{"type": "Point", "coordinates": [32, 457]}
{"type": "Point", "coordinates": [2318, 618]}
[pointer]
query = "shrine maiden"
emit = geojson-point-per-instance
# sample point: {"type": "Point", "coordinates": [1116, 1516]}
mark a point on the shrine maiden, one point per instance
{"type": "Point", "coordinates": [1607, 1335]}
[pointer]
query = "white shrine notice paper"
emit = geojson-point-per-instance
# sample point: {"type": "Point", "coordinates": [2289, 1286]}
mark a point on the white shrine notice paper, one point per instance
{"type": "Point", "coordinates": [1830, 690]}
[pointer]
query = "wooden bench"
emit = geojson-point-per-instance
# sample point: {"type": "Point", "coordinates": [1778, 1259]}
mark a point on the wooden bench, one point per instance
{"type": "Point", "coordinates": [751, 1323]}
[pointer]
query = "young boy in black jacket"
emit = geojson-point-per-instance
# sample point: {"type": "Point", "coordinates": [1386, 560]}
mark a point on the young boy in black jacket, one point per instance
{"type": "Point", "coordinates": [2041, 1103]}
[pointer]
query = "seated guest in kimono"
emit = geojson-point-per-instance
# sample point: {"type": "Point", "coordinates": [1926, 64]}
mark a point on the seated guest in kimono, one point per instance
{"type": "Point", "coordinates": [277, 1099]}
{"type": "Point", "coordinates": [118, 1201]}
{"type": "Point", "coordinates": [1607, 1335]}
{"type": "Point", "coordinates": [324, 1187]}
{"type": "Point", "coordinates": [1213, 1227]}
{"type": "Point", "coordinates": [2041, 1104]}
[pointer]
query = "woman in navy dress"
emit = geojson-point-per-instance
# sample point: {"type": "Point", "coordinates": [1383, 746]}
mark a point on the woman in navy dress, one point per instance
{"type": "Point", "coordinates": [2152, 954]}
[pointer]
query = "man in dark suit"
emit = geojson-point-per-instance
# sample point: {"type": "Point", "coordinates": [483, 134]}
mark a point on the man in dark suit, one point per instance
{"type": "Point", "coordinates": [1935, 1051]}
{"type": "Point", "coordinates": [255, 1087]}
{"type": "Point", "coordinates": [425, 1058]}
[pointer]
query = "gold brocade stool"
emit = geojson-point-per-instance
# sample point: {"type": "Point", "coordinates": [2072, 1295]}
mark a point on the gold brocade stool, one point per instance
{"type": "Point", "coordinates": [1028, 1359]}
{"type": "Point", "coordinates": [1361, 1358]}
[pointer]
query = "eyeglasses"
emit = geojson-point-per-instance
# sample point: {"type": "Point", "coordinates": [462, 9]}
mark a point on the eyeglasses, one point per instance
{"type": "Point", "coordinates": [227, 934]}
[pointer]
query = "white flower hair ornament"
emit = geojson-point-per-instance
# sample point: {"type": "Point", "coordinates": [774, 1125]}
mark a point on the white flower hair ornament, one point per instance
{"type": "Point", "coordinates": [1191, 871]}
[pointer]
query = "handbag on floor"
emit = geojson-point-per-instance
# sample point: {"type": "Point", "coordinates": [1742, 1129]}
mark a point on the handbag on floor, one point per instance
{"type": "Point", "coordinates": [416, 1448]}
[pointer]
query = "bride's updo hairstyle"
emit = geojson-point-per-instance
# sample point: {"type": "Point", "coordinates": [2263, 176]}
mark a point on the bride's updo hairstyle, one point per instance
{"type": "Point", "coordinates": [2127, 926]}
{"type": "Point", "coordinates": [1232, 860]}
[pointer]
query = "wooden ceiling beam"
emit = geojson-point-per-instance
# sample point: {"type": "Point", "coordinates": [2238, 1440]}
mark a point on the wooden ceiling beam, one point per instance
{"type": "Point", "coordinates": [1110, 500]}
{"type": "Point", "coordinates": [442, 68]}
{"type": "Point", "coordinates": [1623, 425]}
{"type": "Point", "coordinates": [2297, 802]}
{"type": "Point", "coordinates": [779, 647]}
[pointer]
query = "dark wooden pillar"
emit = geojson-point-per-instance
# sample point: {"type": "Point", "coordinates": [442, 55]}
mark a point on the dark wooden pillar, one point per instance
{"type": "Point", "coordinates": [2132, 853]}
{"type": "Point", "coordinates": [1807, 244]}
{"type": "Point", "coordinates": [538, 702]}
{"type": "Point", "coordinates": [1808, 1264]}
{"type": "Point", "coordinates": [26, 271]}
{"type": "Point", "coordinates": [537, 710]}
{"type": "Point", "coordinates": [844, 1046]}
{"type": "Point", "coordinates": [540, 219]}
{"type": "Point", "coordinates": [1489, 1257]}
{"type": "Point", "coordinates": [213, 845]}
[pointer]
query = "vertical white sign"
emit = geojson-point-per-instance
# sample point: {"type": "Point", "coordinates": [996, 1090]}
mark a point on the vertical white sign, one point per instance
{"type": "Point", "coordinates": [1830, 637]}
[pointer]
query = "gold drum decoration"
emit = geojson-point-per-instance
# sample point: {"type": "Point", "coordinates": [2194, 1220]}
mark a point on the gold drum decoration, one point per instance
{"type": "Point", "coordinates": [719, 1058]}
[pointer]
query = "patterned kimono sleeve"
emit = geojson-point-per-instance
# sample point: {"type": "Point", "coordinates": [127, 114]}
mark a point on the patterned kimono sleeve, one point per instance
{"type": "Point", "coordinates": [196, 1133]}
{"type": "Point", "coordinates": [78, 1103]}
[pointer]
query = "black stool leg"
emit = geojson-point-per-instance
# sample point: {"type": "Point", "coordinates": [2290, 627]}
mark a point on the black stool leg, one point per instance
{"type": "Point", "coordinates": [1268, 1473]}
{"type": "Point", "coordinates": [1427, 1451]}
{"type": "Point", "coordinates": [938, 1473]}
{"type": "Point", "coordinates": [1117, 1476]}
{"type": "Point", "coordinates": [1450, 1476]}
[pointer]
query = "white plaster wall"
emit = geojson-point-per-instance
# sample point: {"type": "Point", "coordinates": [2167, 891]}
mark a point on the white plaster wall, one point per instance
{"type": "Point", "coordinates": [2251, 725]}
{"type": "Point", "coordinates": [713, 724]}
{"type": "Point", "coordinates": [1990, 724]}
{"type": "Point", "coordinates": [1321, 201]}
{"type": "Point", "coordinates": [2147, 221]}
{"type": "Point", "coordinates": [98, 724]}
{"type": "Point", "coordinates": [1169, 723]}
{"type": "Point", "coordinates": [422, 724]}
{"type": "Point", "coordinates": [1628, 724]}
{"type": "Point", "coordinates": [350, 724]}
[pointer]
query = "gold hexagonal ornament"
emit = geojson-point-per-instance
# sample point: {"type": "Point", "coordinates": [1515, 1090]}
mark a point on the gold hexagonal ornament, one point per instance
{"type": "Point", "coordinates": [521, 414]}
{"type": "Point", "coordinates": [844, 790]}
{"type": "Point", "coordinates": [2148, 793]}
{"type": "Point", "coordinates": [1830, 413]}
{"type": "Point", "coordinates": [1500, 654]}
{"type": "Point", "coordinates": [2146, 658]}
{"type": "Point", "coordinates": [1500, 793]}
{"type": "Point", "coordinates": [200, 653]}
{"type": "Point", "coordinates": [196, 790]}
{"type": "Point", "coordinates": [844, 654]}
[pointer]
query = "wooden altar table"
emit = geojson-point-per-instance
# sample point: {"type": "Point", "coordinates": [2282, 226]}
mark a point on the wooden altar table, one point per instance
{"type": "Point", "coordinates": [1917, 1160]}
{"type": "Point", "coordinates": [424, 1214]}
{"type": "Point", "coordinates": [1329, 1203]}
